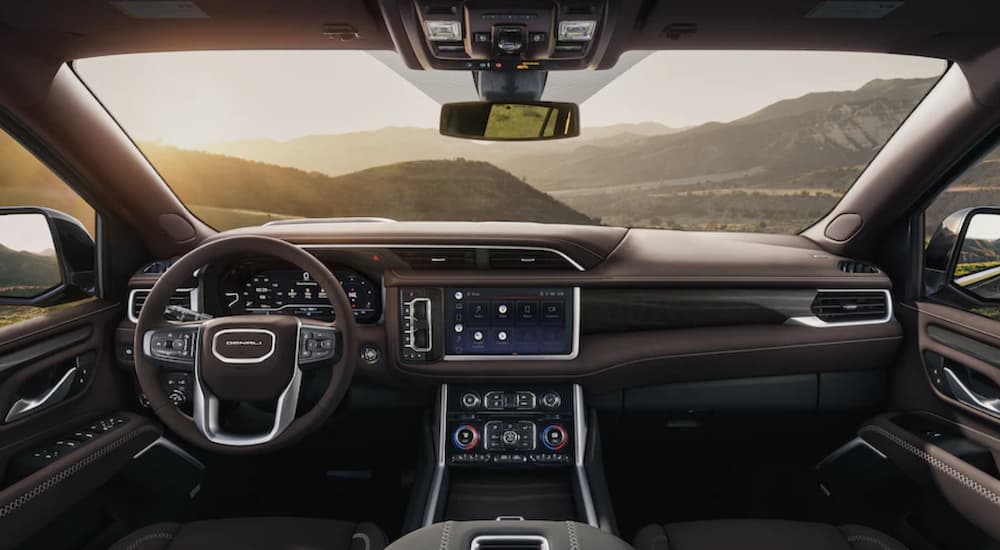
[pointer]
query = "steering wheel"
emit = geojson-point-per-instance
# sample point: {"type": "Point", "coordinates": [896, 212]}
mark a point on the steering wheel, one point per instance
{"type": "Point", "coordinates": [244, 358]}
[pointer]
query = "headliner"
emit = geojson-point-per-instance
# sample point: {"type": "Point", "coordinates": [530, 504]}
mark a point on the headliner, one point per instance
{"type": "Point", "coordinates": [62, 30]}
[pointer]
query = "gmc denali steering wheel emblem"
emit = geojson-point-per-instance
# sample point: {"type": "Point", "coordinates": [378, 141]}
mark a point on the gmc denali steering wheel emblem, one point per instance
{"type": "Point", "coordinates": [243, 345]}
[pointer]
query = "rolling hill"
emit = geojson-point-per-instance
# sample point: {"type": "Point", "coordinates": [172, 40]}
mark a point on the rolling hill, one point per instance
{"type": "Point", "coordinates": [228, 192]}
{"type": "Point", "coordinates": [25, 274]}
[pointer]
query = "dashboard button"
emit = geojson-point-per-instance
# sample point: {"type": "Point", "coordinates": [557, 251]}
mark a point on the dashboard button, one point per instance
{"type": "Point", "coordinates": [370, 354]}
{"type": "Point", "coordinates": [527, 312]}
{"type": "Point", "coordinates": [503, 311]}
{"type": "Point", "coordinates": [552, 311]}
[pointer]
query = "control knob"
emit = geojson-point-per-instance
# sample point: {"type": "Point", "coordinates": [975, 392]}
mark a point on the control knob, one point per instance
{"type": "Point", "coordinates": [551, 400]}
{"type": "Point", "coordinates": [554, 437]}
{"type": "Point", "coordinates": [466, 437]}
{"type": "Point", "coordinates": [470, 400]}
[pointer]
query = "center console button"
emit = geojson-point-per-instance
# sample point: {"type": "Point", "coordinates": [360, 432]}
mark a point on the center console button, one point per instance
{"type": "Point", "coordinates": [554, 437]}
{"type": "Point", "coordinates": [551, 400]}
{"type": "Point", "coordinates": [510, 437]}
{"type": "Point", "coordinates": [470, 400]}
{"type": "Point", "coordinates": [525, 400]}
{"type": "Point", "coordinates": [466, 437]}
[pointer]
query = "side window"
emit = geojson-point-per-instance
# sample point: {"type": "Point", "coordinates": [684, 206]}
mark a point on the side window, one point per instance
{"type": "Point", "coordinates": [962, 238]}
{"type": "Point", "coordinates": [46, 238]}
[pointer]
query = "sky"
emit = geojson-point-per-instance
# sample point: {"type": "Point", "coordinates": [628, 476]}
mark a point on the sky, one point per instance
{"type": "Point", "coordinates": [192, 99]}
{"type": "Point", "coordinates": [27, 232]}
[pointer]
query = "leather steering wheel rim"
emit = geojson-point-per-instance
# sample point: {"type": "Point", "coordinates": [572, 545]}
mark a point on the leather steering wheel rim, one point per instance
{"type": "Point", "coordinates": [151, 317]}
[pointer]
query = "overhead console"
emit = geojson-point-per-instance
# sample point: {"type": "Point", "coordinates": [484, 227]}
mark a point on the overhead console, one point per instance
{"type": "Point", "coordinates": [506, 36]}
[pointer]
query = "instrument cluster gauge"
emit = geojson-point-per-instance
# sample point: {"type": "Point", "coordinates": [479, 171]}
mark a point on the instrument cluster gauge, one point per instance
{"type": "Point", "coordinates": [295, 292]}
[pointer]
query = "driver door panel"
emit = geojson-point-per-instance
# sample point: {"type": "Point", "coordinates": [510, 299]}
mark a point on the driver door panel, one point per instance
{"type": "Point", "coordinates": [57, 378]}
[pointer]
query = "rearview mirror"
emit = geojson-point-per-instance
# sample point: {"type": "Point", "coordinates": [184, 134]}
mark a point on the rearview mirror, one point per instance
{"type": "Point", "coordinates": [43, 254]}
{"type": "Point", "coordinates": [504, 121]}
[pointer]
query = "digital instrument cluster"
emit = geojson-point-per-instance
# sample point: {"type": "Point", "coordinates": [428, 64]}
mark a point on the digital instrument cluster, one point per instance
{"type": "Point", "coordinates": [294, 292]}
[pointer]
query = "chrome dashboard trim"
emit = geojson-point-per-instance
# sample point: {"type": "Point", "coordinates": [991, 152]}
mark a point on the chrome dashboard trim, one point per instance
{"type": "Point", "coordinates": [582, 481]}
{"type": "Point", "coordinates": [437, 480]}
{"type": "Point", "coordinates": [574, 351]}
{"type": "Point", "coordinates": [192, 293]}
{"type": "Point", "coordinates": [816, 322]}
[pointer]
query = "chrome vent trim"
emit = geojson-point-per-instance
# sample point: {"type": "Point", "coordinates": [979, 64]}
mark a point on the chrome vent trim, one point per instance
{"type": "Point", "coordinates": [846, 307]}
{"type": "Point", "coordinates": [185, 297]}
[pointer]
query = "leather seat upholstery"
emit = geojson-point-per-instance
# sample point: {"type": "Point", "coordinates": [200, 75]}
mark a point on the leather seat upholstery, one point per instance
{"type": "Point", "coordinates": [257, 534]}
{"type": "Point", "coordinates": [762, 535]}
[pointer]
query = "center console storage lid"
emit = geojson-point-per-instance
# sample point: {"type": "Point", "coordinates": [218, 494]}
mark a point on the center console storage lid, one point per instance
{"type": "Point", "coordinates": [460, 535]}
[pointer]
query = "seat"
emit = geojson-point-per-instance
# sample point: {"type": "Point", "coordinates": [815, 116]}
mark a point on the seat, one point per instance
{"type": "Point", "coordinates": [761, 535]}
{"type": "Point", "coordinates": [257, 534]}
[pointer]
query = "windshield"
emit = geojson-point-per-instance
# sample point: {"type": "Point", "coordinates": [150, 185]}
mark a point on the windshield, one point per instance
{"type": "Point", "coordinates": [734, 141]}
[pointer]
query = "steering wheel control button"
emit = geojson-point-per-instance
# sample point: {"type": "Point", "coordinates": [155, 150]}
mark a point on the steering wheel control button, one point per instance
{"type": "Point", "coordinates": [554, 437]}
{"type": "Point", "coordinates": [316, 344]}
{"type": "Point", "coordinates": [551, 400]}
{"type": "Point", "coordinates": [174, 344]}
{"type": "Point", "coordinates": [470, 401]}
{"type": "Point", "coordinates": [370, 354]}
{"type": "Point", "coordinates": [466, 437]}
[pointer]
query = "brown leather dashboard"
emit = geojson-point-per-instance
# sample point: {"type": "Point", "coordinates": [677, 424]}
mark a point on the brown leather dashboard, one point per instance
{"type": "Point", "coordinates": [658, 306]}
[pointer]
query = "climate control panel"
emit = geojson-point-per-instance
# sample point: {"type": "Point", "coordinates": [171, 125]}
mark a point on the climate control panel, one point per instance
{"type": "Point", "coordinates": [499, 426]}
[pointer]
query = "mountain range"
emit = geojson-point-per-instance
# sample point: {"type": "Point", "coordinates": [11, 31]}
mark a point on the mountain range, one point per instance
{"type": "Point", "coordinates": [26, 274]}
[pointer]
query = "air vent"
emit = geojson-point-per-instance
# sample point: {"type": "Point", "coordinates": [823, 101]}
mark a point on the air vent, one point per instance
{"type": "Point", "coordinates": [851, 266]}
{"type": "Point", "coordinates": [438, 258]}
{"type": "Point", "coordinates": [181, 297]}
{"type": "Point", "coordinates": [528, 259]}
{"type": "Point", "coordinates": [851, 306]}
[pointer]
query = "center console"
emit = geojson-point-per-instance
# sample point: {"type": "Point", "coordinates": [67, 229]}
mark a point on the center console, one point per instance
{"type": "Point", "coordinates": [502, 426]}
{"type": "Point", "coordinates": [510, 451]}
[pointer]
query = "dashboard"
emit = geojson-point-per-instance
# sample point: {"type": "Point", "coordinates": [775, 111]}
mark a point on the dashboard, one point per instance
{"type": "Point", "coordinates": [597, 304]}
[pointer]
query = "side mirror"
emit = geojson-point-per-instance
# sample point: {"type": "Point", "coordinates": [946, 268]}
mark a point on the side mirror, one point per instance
{"type": "Point", "coordinates": [45, 256]}
{"type": "Point", "coordinates": [506, 121]}
{"type": "Point", "coordinates": [964, 255]}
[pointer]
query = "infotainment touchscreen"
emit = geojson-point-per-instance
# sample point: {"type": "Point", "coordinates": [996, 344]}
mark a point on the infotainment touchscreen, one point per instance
{"type": "Point", "coordinates": [532, 323]}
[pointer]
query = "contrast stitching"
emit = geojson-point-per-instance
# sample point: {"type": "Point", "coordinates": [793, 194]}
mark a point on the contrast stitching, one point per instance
{"type": "Point", "coordinates": [445, 536]}
{"type": "Point", "coordinates": [571, 530]}
{"type": "Point", "coordinates": [146, 538]}
{"type": "Point", "coordinates": [872, 540]}
{"type": "Point", "coordinates": [64, 474]}
{"type": "Point", "coordinates": [977, 487]}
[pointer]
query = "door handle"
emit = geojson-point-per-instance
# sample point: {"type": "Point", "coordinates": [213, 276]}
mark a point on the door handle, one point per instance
{"type": "Point", "coordinates": [25, 406]}
{"type": "Point", "coordinates": [989, 405]}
